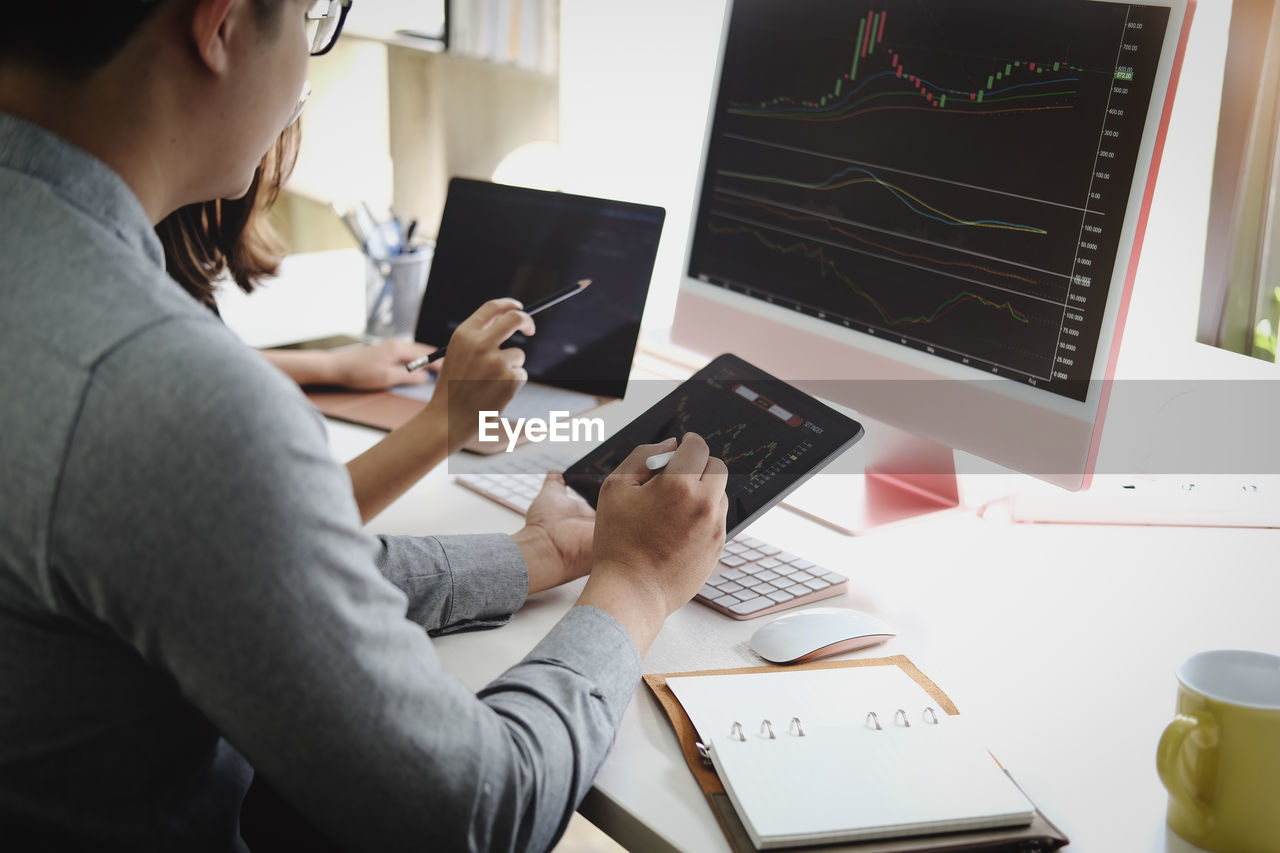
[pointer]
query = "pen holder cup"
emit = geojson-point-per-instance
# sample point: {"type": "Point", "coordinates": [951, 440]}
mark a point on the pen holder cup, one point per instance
{"type": "Point", "coordinates": [393, 294]}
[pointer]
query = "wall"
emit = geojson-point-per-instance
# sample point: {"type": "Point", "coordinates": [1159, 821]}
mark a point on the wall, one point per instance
{"type": "Point", "coordinates": [452, 116]}
{"type": "Point", "coordinates": [389, 125]}
{"type": "Point", "coordinates": [635, 84]}
{"type": "Point", "coordinates": [344, 156]}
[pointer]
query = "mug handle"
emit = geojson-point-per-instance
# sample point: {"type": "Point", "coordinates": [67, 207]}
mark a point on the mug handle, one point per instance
{"type": "Point", "coordinates": [1184, 777]}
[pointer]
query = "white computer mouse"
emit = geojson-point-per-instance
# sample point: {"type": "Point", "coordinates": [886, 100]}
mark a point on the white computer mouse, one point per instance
{"type": "Point", "coordinates": [818, 632]}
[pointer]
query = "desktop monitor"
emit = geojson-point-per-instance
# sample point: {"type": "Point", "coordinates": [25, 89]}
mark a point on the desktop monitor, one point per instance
{"type": "Point", "coordinates": [902, 190]}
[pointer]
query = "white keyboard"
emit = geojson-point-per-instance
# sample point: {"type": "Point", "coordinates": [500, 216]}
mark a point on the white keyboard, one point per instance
{"type": "Point", "coordinates": [753, 578]}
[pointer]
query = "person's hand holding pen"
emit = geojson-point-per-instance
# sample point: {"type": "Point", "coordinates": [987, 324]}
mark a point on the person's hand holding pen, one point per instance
{"type": "Point", "coordinates": [658, 534]}
{"type": "Point", "coordinates": [479, 375]}
{"type": "Point", "coordinates": [538, 305]}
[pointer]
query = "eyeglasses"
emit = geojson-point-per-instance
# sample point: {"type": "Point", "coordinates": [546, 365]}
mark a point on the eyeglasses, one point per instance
{"type": "Point", "coordinates": [324, 24]}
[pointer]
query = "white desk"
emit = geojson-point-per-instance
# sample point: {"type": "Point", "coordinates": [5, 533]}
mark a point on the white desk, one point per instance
{"type": "Point", "coordinates": [1062, 641]}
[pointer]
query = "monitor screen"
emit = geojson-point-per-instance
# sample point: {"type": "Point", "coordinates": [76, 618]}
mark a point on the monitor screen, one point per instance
{"type": "Point", "coordinates": [952, 177]}
{"type": "Point", "coordinates": [497, 240]}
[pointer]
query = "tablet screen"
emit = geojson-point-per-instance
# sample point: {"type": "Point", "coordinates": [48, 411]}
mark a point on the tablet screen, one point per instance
{"type": "Point", "coordinates": [771, 436]}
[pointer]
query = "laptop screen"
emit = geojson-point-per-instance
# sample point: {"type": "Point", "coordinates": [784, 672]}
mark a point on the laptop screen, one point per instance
{"type": "Point", "coordinates": [497, 240]}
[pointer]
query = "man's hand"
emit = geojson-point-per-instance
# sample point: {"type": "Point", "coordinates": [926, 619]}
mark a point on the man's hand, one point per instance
{"type": "Point", "coordinates": [477, 375]}
{"type": "Point", "coordinates": [557, 537]}
{"type": "Point", "coordinates": [658, 535]}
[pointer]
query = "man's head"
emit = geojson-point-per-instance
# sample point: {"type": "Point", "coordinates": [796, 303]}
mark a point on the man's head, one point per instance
{"type": "Point", "coordinates": [182, 97]}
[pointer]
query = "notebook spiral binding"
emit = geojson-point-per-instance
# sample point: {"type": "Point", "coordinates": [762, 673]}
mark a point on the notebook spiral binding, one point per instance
{"type": "Point", "coordinates": [796, 728]}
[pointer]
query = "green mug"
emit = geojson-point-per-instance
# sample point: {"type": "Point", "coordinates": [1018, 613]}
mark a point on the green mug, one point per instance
{"type": "Point", "coordinates": [1220, 757]}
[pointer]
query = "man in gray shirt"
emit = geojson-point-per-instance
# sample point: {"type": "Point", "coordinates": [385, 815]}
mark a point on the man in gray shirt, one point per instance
{"type": "Point", "coordinates": [186, 593]}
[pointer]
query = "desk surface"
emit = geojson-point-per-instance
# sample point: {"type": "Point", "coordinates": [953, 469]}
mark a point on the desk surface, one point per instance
{"type": "Point", "coordinates": [1060, 641]}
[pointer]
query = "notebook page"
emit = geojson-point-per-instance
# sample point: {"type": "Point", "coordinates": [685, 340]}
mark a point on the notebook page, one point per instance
{"type": "Point", "coordinates": [854, 782]}
{"type": "Point", "coordinates": [821, 697]}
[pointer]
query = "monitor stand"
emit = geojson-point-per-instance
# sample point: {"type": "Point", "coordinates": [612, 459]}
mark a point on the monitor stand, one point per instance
{"type": "Point", "coordinates": [891, 476]}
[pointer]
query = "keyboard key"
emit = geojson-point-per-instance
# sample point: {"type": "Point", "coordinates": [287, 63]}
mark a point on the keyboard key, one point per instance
{"type": "Point", "coordinates": [802, 564]}
{"type": "Point", "coordinates": [786, 570]}
{"type": "Point", "coordinates": [767, 549]}
{"type": "Point", "coordinates": [785, 557]}
{"type": "Point", "coordinates": [733, 562]}
{"type": "Point", "coordinates": [730, 587]}
{"type": "Point", "coordinates": [801, 577]}
{"type": "Point", "coordinates": [709, 592]}
{"type": "Point", "coordinates": [749, 541]}
{"type": "Point", "coordinates": [799, 589]}
{"type": "Point", "coordinates": [746, 595]}
{"type": "Point", "coordinates": [816, 584]}
{"type": "Point", "coordinates": [751, 555]}
{"type": "Point", "coordinates": [768, 562]}
{"type": "Point", "coordinates": [763, 588]}
{"type": "Point", "coordinates": [767, 575]}
{"type": "Point", "coordinates": [725, 601]}
{"type": "Point", "coordinates": [834, 578]}
{"type": "Point", "coordinates": [744, 608]}
{"type": "Point", "coordinates": [731, 575]}
{"type": "Point", "coordinates": [781, 596]}
{"type": "Point", "coordinates": [735, 547]}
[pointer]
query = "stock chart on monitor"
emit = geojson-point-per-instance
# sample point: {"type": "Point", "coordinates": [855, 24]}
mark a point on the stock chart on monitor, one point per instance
{"type": "Point", "coordinates": [950, 176]}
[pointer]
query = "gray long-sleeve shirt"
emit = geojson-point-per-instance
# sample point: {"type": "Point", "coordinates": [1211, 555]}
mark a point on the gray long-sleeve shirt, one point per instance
{"type": "Point", "coordinates": [186, 591]}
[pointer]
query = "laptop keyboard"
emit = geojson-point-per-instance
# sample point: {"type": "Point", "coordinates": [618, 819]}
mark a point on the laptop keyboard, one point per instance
{"type": "Point", "coordinates": [752, 579]}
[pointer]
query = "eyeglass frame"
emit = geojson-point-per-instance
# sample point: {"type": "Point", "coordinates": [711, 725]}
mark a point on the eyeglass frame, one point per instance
{"type": "Point", "coordinates": [337, 32]}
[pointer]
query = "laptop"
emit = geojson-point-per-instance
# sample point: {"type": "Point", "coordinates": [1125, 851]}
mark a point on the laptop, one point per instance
{"type": "Point", "coordinates": [496, 240]}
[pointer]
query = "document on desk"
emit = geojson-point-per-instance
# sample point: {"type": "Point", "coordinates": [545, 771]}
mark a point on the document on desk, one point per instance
{"type": "Point", "coordinates": [871, 756]}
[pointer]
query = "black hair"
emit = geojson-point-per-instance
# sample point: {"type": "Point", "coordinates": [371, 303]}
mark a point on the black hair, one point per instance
{"type": "Point", "coordinates": [73, 38]}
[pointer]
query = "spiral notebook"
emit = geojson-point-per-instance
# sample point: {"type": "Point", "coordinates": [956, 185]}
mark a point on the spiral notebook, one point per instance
{"type": "Point", "coordinates": [870, 756]}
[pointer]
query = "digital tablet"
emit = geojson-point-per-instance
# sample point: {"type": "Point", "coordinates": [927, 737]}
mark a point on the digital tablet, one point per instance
{"type": "Point", "coordinates": [771, 435]}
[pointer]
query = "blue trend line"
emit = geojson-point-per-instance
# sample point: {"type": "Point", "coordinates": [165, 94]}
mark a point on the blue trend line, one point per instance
{"type": "Point", "coordinates": [1034, 83]}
